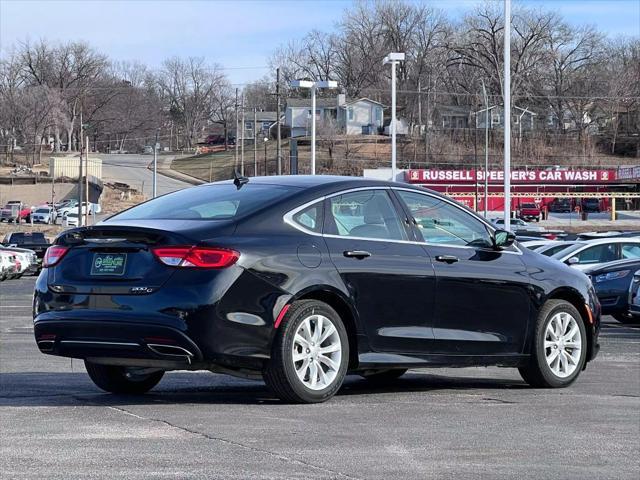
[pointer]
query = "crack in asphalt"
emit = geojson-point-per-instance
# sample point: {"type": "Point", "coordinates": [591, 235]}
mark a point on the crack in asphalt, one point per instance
{"type": "Point", "coordinates": [235, 444]}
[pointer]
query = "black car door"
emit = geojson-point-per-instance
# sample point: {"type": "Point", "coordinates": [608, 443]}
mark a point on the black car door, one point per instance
{"type": "Point", "coordinates": [482, 302]}
{"type": "Point", "coordinates": [390, 278]}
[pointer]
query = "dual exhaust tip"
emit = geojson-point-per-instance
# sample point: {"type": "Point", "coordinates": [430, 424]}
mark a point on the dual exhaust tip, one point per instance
{"type": "Point", "coordinates": [47, 344]}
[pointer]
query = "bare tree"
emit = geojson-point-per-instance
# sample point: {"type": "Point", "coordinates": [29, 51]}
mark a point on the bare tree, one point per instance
{"type": "Point", "coordinates": [190, 86]}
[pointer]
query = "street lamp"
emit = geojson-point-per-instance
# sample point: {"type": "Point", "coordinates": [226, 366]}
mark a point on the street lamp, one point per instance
{"type": "Point", "coordinates": [393, 59]}
{"type": "Point", "coordinates": [313, 86]}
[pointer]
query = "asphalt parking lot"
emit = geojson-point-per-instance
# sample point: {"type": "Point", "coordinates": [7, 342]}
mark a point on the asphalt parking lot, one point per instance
{"type": "Point", "coordinates": [441, 423]}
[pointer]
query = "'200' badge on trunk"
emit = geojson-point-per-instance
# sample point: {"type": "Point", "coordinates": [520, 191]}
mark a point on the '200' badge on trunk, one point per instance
{"type": "Point", "coordinates": [108, 264]}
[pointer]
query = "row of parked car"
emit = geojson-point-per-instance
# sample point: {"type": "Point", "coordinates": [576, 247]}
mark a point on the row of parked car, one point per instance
{"type": "Point", "coordinates": [21, 253]}
{"type": "Point", "coordinates": [63, 213]}
{"type": "Point", "coordinates": [611, 260]}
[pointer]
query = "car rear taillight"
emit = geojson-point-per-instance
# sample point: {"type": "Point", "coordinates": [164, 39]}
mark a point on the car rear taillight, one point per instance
{"type": "Point", "coordinates": [53, 255]}
{"type": "Point", "coordinates": [196, 257]}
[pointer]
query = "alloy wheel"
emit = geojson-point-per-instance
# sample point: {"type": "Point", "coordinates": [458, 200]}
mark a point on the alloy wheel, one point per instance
{"type": "Point", "coordinates": [316, 352]}
{"type": "Point", "coordinates": [562, 344]}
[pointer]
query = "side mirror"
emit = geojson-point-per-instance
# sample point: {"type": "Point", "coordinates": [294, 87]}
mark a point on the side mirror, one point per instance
{"type": "Point", "coordinates": [573, 261]}
{"type": "Point", "coordinates": [503, 239]}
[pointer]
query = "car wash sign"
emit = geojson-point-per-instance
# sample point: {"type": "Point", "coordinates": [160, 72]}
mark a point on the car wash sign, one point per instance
{"type": "Point", "coordinates": [571, 177]}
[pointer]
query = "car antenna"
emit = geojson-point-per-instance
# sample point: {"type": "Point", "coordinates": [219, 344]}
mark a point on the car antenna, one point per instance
{"type": "Point", "coordinates": [239, 180]}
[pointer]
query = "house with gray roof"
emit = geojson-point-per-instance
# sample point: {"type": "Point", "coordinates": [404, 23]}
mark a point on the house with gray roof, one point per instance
{"type": "Point", "coordinates": [357, 117]}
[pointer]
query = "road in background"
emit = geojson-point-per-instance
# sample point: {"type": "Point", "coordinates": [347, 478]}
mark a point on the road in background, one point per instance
{"type": "Point", "coordinates": [439, 423]}
{"type": "Point", "coordinates": [132, 169]}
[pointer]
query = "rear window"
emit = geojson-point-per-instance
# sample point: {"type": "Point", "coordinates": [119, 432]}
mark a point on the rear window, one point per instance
{"type": "Point", "coordinates": [210, 202]}
{"type": "Point", "coordinates": [27, 237]}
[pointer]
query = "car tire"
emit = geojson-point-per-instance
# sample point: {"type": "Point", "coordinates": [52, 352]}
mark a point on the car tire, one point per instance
{"type": "Point", "coordinates": [626, 318]}
{"type": "Point", "coordinates": [116, 379]}
{"type": "Point", "coordinates": [292, 371]}
{"type": "Point", "coordinates": [384, 376]}
{"type": "Point", "coordinates": [547, 351]}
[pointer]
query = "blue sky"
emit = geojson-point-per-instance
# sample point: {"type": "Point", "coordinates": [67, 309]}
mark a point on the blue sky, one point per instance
{"type": "Point", "coordinates": [236, 34]}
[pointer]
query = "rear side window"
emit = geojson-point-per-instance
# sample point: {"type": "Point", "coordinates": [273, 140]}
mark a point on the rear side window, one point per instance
{"type": "Point", "coordinates": [210, 202]}
{"type": "Point", "coordinates": [630, 250]}
{"type": "Point", "coordinates": [310, 218]}
{"type": "Point", "coordinates": [364, 214]}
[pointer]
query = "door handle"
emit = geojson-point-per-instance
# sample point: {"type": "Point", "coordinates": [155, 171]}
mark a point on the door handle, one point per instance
{"type": "Point", "coordinates": [447, 259]}
{"type": "Point", "coordinates": [359, 254]}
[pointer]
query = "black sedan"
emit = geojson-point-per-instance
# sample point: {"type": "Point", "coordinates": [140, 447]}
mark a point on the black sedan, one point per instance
{"type": "Point", "coordinates": [612, 282]}
{"type": "Point", "coordinates": [302, 279]}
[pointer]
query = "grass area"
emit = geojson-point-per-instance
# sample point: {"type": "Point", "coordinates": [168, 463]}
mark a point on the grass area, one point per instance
{"type": "Point", "coordinates": [219, 166]}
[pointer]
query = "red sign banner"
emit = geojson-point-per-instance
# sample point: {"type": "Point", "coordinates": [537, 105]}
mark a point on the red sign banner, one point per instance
{"type": "Point", "coordinates": [517, 176]}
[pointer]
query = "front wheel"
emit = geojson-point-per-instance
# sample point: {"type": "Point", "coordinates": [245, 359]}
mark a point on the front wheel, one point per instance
{"type": "Point", "coordinates": [310, 354]}
{"type": "Point", "coordinates": [559, 347]}
{"type": "Point", "coordinates": [116, 379]}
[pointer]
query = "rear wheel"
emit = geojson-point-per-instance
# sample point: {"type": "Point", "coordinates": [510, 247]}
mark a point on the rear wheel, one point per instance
{"type": "Point", "coordinates": [384, 376]}
{"type": "Point", "coordinates": [559, 347]}
{"type": "Point", "coordinates": [116, 379]}
{"type": "Point", "coordinates": [310, 354]}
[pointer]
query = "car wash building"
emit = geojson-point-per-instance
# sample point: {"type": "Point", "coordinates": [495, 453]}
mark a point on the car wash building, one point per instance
{"type": "Point", "coordinates": [552, 189]}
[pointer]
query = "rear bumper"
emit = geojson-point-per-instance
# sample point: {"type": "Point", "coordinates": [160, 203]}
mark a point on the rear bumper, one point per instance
{"type": "Point", "coordinates": [96, 339]}
{"type": "Point", "coordinates": [212, 317]}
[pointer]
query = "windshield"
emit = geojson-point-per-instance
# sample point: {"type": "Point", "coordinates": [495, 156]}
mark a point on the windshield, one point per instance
{"type": "Point", "coordinates": [529, 205]}
{"type": "Point", "coordinates": [567, 251]}
{"type": "Point", "coordinates": [42, 210]}
{"type": "Point", "coordinates": [209, 202]}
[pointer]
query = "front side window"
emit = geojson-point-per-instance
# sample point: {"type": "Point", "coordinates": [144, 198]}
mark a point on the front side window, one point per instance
{"type": "Point", "coordinates": [364, 214]}
{"type": "Point", "coordinates": [439, 222]}
{"type": "Point", "coordinates": [598, 254]}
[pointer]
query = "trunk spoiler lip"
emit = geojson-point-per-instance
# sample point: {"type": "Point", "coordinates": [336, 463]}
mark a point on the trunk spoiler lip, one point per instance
{"type": "Point", "coordinates": [107, 232]}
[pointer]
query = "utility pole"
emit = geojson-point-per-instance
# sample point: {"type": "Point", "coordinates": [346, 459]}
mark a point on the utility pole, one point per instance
{"type": "Point", "coordinates": [486, 148]}
{"type": "Point", "coordinates": [80, 175]}
{"type": "Point", "coordinates": [155, 167]}
{"type": "Point", "coordinates": [255, 142]}
{"type": "Point", "coordinates": [507, 115]}
{"type": "Point", "coordinates": [237, 136]}
{"type": "Point", "coordinates": [242, 130]}
{"type": "Point", "coordinates": [278, 132]}
{"type": "Point", "coordinates": [86, 181]}
{"type": "Point", "coordinates": [419, 104]}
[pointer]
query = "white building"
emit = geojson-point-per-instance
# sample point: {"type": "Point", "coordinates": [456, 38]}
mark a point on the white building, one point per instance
{"type": "Point", "coordinates": [357, 117]}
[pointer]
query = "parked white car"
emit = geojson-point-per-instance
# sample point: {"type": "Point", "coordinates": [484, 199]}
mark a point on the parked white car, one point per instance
{"type": "Point", "coordinates": [583, 255]}
{"type": "Point", "coordinates": [8, 265]}
{"type": "Point", "coordinates": [518, 224]}
{"type": "Point", "coordinates": [43, 214]}
{"type": "Point", "coordinates": [27, 258]}
{"type": "Point", "coordinates": [70, 219]}
{"type": "Point", "coordinates": [91, 208]}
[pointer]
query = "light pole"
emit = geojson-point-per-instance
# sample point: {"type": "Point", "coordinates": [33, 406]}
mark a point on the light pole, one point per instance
{"type": "Point", "coordinates": [313, 86]}
{"type": "Point", "coordinates": [507, 114]}
{"type": "Point", "coordinates": [393, 59]}
{"type": "Point", "coordinates": [486, 148]}
{"type": "Point", "coordinates": [155, 166]}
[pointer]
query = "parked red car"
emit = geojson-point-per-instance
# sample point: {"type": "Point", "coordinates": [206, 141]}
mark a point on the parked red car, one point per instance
{"type": "Point", "coordinates": [529, 211]}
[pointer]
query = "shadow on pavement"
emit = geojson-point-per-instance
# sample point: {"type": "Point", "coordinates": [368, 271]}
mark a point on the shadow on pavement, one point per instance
{"type": "Point", "coordinates": [76, 389]}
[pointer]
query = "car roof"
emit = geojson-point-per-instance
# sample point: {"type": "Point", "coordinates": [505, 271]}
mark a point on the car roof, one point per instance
{"type": "Point", "coordinates": [305, 181]}
{"type": "Point", "coordinates": [580, 245]}
{"type": "Point", "coordinates": [627, 262]}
